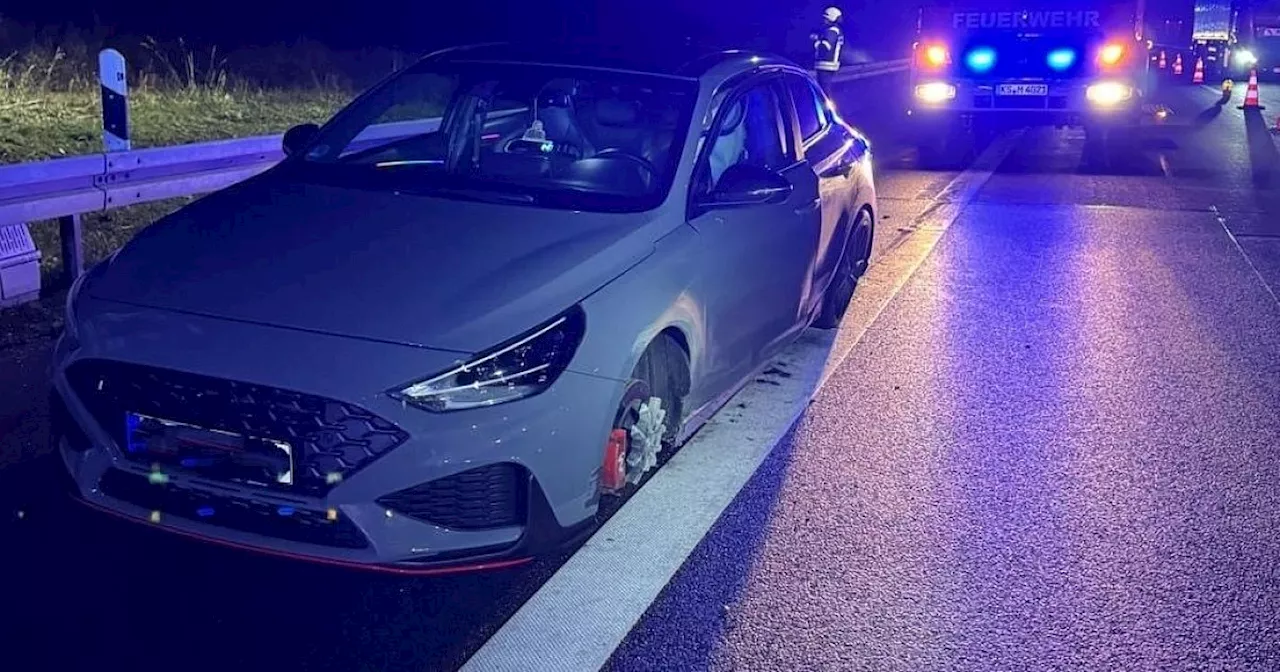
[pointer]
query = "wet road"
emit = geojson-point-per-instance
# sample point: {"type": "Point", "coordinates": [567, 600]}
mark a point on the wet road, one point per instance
{"type": "Point", "coordinates": [1051, 445]}
{"type": "Point", "coordinates": [1057, 448]}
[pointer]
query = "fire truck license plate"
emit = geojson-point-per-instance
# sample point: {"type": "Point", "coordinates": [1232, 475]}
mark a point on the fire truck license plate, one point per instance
{"type": "Point", "coordinates": [1023, 89]}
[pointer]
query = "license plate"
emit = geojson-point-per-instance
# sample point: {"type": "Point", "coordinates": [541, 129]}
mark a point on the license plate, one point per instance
{"type": "Point", "coordinates": [209, 452]}
{"type": "Point", "coordinates": [1023, 90]}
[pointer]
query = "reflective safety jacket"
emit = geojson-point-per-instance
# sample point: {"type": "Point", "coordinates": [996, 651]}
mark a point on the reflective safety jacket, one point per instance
{"type": "Point", "coordinates": [827, 48]}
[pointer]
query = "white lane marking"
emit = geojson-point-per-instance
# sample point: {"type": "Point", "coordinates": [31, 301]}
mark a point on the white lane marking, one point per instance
{"type": "Point", "coordinates": [1222, 220]}
{"type": "Point", "coordinates": [583, 612]}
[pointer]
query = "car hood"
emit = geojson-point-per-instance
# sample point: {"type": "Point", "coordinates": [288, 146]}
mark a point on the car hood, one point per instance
{"type": "Point", "coordinates": [403, 268]}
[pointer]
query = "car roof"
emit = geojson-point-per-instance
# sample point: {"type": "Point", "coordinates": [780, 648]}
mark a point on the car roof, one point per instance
{"type": "Point", "coordinates": [681, 59]}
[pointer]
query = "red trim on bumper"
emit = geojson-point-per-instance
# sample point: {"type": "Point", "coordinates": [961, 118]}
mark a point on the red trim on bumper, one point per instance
{"type": "Point", "coordinates": [381, 569]}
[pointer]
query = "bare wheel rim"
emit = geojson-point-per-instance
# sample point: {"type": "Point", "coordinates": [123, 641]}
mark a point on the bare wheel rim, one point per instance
{"type": "Point", "coordinates": [850, 269]}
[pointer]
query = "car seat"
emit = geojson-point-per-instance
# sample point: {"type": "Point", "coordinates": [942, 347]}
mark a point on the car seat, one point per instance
{"type": "Point", "coordinates": [614, 123]}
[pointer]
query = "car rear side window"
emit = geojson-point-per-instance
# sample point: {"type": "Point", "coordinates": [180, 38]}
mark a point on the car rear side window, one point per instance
{"type": "Point", "coordinates": [810, 109]}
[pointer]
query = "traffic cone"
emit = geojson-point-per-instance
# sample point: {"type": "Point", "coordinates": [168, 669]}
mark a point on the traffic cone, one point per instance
{"type": "Point", "coordinates": [1177, 65]}
{"type": "Point", "coordinates": [1197, 77]}
{"type": "Point", "coordinates": [1251, 93]}
{"type": "Point", "coordinates": [1163, 64]}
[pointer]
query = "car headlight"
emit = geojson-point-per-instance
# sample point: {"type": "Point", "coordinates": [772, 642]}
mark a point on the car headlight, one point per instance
{"type": "Point", "coordinates": [520, 368]}
{"type": "Point", "coordinates": [1245, 58]}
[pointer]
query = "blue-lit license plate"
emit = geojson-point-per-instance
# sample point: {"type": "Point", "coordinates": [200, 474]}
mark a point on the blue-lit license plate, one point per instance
{"type": "Point", "coordinates": [209, 452]}
{"type": "Point", "coordinates": [1022, 90]}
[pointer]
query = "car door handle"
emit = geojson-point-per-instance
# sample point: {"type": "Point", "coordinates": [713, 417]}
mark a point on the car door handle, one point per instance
{"type": "Point", "coordinates": [806, 209]}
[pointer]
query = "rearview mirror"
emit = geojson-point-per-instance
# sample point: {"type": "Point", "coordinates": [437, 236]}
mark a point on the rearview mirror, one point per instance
{"type": "Point", "coordinates": [745, 184]}
{"type": "Point", "coordinates": [298, 137]}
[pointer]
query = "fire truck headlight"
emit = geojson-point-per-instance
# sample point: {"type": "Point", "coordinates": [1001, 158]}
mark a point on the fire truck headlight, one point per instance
{"type": "Point", "coordinates": [1107, 94]}
{"type": "Point", "coordinates": [935, 92]}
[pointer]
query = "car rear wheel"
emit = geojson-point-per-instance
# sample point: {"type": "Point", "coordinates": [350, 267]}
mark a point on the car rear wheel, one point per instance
{"type": "Point", "coordinates": [853, 264]}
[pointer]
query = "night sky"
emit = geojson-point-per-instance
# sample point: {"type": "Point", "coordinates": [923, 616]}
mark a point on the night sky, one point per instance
{"type": "Point", "coordinates": [881, 27]}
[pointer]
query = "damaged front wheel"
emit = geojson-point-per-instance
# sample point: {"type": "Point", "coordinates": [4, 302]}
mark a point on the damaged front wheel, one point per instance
{"type": "Point", "coordinates": [648, 417]}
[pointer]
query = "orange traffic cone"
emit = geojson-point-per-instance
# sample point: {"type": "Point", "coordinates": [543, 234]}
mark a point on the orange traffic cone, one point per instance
{"type": "Point", "coordinates": [1177, 65]}
{"type": "Point", "coordinates": [1163, 64]}
{"type": "Point", "coordinates": [1197, 77]}
{"type": "Point", "coordinates": [1251, 93]}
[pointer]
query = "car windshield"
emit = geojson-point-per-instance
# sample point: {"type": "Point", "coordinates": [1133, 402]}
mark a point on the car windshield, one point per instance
{"type": "Point", "coordinates": [575, 138]}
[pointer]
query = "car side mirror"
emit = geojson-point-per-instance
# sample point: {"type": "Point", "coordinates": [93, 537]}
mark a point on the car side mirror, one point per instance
{"type": "Point", "coordinates": [298, 137]}
{"type": "Point", "coordinates": [744, 184]}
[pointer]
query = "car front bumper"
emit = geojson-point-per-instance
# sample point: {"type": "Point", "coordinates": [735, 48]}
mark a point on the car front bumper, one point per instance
{"type": "Point", "coordinates": [1066, 103]}
{"type": "Point", "coordinates": [413, 492]}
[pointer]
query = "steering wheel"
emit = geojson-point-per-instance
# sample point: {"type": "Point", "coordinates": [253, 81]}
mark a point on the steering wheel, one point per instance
{"type": "Point", "coordinates": [611, 152]}
{"type": "Point", "coordinates": [509, 138]}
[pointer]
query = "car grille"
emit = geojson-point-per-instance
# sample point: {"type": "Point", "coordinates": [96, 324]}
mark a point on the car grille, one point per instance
{"type": "Point", "coordinates": [331, 439]}
{"type": "Point", "coordinates": [270, 520]}
{"type": "Point", "coordinates": [483, 498]}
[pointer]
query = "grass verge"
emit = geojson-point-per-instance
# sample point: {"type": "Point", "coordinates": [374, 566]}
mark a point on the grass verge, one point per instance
{"type": "Point", "coordinates": [43, 125]}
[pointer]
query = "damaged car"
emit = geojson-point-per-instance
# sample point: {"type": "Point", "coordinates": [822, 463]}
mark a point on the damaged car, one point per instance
{"type": "Point", "coordinates": [492, 292]}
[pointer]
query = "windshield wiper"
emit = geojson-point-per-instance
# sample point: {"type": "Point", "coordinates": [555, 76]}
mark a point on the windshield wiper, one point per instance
{"type": "Point", "coordinates": [409, 162]}
{"type": "Point", "coordinates": [484, 195]}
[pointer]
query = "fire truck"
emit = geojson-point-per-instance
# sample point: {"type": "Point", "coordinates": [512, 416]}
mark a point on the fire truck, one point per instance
{"type": "Point", "coordinates": [1213, 35]}
{"type": "Point", "coordinates": [979, 65]}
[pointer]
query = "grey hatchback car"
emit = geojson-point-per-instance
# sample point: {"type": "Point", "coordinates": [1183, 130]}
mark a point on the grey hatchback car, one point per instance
{"type": "Point", "coordinates": [490, 293]}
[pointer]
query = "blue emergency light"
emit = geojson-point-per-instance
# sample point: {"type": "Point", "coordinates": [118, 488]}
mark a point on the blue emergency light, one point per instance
{"type": "Point", "coordinates": [980, 59]}
{"type": "Point", "coordinates": [1061, 59]}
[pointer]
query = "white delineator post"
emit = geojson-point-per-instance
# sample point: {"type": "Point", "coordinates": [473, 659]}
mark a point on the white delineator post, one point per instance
{"type": "Point", "coordinates": [115, 101]}
{"type": "Point", "coordinates": [114, 84]}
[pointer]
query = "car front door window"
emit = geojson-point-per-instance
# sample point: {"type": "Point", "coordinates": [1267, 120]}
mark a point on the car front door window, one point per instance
{"type": "Point", "coordinates": [748, 133]}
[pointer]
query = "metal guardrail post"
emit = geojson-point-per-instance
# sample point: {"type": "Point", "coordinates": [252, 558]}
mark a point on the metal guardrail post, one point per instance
{"type": "Point", "coordinates": [72, 246]}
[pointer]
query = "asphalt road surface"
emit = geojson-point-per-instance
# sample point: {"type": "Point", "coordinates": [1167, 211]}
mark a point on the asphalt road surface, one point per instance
{"type": "Point", "coordinates": [1046, 438]}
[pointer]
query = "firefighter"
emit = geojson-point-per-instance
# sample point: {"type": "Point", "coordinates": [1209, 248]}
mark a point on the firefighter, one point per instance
{"type": "Point", "coordinates": [826, 47]}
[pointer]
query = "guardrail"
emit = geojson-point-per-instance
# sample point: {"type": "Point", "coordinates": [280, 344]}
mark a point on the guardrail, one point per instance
{"type": "Point", "coordinates": [850, 73]}
{"type": "Point", "coordinates": [63, 189]}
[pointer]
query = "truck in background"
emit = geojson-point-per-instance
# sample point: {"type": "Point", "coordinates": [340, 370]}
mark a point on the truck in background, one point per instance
{"type": "Point", "coordinates": [1259, 40]}
{"type": "Point", "coordinates": [984, 64]}
{"type": "Point", "coordinates": [1213, 36]}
